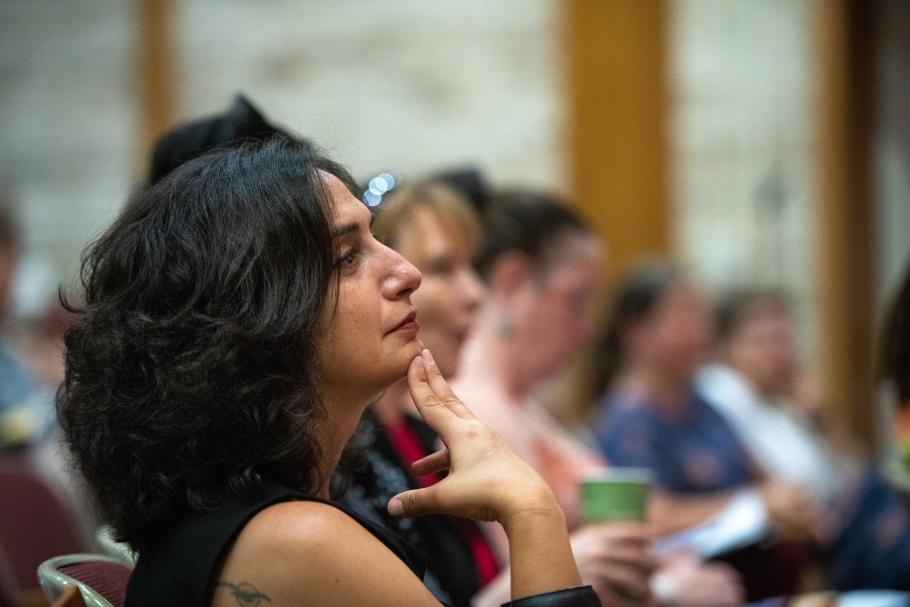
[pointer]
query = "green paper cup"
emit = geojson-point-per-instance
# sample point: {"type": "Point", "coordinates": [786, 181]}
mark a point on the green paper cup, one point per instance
{"type": "Point", "coordinates": [615, 494]}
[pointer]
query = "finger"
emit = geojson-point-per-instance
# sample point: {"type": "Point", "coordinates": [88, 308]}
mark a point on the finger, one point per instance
{"type": "Point", "coordinates": [441, 387]}
{"type": "Point", "coordinates": [607, 595]}
{"type": "Point", "coordinates": [431, 409]}
{"type": "Point", "coordinates": [627, 580]}
{"type": "Point", "coordinates": [415, 502]}
{"type": "Point", "coordinates": [624, 532]}
{"type": "Point", "coordinates": [435, 462]}
{"type": "Point", "coordinates": [630, 557]}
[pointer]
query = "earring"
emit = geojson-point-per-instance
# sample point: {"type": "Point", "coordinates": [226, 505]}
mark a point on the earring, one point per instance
{"type": "Point", "coordinates": [505, 329]}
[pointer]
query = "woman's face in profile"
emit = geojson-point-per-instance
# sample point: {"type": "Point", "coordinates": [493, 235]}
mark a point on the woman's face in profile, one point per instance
{"type": "Point", "coordinates": [451, 291]}
{"type": "Point", "coordinates": [368, 335]}
{"type": "Point", "coordinates": [553, 314]}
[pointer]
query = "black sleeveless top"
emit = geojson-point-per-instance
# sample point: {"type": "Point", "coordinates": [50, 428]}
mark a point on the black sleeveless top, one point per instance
{"type": "Point", "coordinates": [180, 570]}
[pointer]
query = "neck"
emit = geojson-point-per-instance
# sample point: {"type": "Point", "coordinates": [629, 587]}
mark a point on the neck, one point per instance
{"type": "Point", "coordinates": [341, 420]}
{"type": "Point", "coordinates": [752, 382]}
{"type": "Point", "coordinates": [502, 357]}
{"type": "Point", "coordinates": [394, 404]}
{"type": "Point", "coordinates": [666, 391]}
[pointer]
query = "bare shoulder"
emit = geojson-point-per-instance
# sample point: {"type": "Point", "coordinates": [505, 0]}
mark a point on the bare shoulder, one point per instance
{"type": "Point", "coordinates": [310, 553]}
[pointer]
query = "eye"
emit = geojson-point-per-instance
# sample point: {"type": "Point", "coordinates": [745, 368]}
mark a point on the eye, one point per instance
{"type": "Point", "coordinates": [348, 259]}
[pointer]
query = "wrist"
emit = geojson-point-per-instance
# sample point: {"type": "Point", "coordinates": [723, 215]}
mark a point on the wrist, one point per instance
{"type": "Point", "coordinates": [543, 510]}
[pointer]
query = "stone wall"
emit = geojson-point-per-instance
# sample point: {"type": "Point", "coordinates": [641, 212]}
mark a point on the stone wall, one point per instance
{"type": "Point", "coordinates": [402, 85]}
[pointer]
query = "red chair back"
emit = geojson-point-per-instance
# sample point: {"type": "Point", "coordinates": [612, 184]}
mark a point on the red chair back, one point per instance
{"type": "Point", "coordinates": [34, 524]}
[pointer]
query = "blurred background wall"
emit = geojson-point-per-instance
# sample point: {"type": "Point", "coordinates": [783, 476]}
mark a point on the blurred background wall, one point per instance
{"type": "Point", "coordinates": [757, 140]}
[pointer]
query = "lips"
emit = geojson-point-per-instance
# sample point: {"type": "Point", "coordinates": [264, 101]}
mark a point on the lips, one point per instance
{"type": "Point", "coordinates": [409, 323]}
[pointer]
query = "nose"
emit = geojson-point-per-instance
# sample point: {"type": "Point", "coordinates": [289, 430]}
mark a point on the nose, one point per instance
{"type": "Point", "coordinates": [401, 277]}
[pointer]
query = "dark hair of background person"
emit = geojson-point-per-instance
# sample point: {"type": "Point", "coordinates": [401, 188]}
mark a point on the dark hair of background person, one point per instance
{"type": "Point", "coordinates": [635, 299]}
{"type": "Point", "coordinates": [739, 305]}
{"type": "Point", "coordinates": [527, 222]}
{"type": "Point", "coordinates": [470, 182]}
{"type": "Point", "coordinates": [241, 122]}
{"type": "Point", "coordinates": [191, 374]}
{"type": "Point", "coordinates": [9, 228]}
{"type": "Point", "coordinates": [895, 350]}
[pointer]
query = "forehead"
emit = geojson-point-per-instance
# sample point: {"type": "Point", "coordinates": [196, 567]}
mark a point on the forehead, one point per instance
{"type": "Point", "coordinates": [765, 318]}
{"type": "Point", "coordinates": [578, 257]}
{"type": "Point", "coordinates": [345, 206]}
{"type": "Point", "coordinates": [424, 234]}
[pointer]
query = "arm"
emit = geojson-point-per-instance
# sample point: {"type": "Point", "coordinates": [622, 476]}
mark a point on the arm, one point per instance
{"type": "Point", "coordinates": [788, 506]}
{"type": "Point", "coordinates": [308, 553]}
{"type": "Point", "coordinates": [487, 481]}
{"type": "Point", "coordinates": [672, 512]}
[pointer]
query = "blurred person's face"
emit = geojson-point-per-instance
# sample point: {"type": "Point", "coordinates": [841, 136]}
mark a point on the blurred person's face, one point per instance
{"type": "Point", "coordinates": [551, 310]}
{"type": "Point", "coordinates": [368, 336]}
{"type": "Point", "coordinates": [675, 338]}
{"type": "Point", "coordinates": [762, 348]}
{"type": "Point", "coordinates": [450, 292]}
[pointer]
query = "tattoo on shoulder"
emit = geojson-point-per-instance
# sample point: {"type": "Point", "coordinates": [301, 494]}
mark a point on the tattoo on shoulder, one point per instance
{"type": "Point", "coordinates": [245, 593]}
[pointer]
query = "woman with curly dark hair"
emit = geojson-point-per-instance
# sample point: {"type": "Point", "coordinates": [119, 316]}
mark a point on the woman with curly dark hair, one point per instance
{"type": "Point", "coordinates": [238, 318]}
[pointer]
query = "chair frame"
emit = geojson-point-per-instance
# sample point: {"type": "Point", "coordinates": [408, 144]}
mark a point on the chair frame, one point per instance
{"type": "Point", "coordinates": [54, 583]}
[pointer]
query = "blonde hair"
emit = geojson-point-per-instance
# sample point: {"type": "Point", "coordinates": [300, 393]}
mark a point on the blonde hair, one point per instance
{"type": "Point", "coordinates": [453, 210]}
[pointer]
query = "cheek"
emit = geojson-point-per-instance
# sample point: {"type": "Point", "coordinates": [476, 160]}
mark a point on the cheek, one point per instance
{"type": "Point", "coordinates": [552, 327]}
{"type": "Point", "coordinates": [432, 302]}
{"type": "Point", "coordinates": [357, 314]}
{"type": "Point", "coordinates": [354, 327]}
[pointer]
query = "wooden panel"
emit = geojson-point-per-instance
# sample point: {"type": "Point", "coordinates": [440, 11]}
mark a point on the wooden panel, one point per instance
{"type": "Point", "coordinates": [845, 261]}
{"type": "Point", "coordinates": [156, 72]}
{"type": "Point", "coordinates": [617, 123]}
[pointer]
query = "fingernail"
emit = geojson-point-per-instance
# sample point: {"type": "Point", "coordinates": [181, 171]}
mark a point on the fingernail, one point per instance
{"type": "Point", "coordinates": [427, 355]}
{"type": "Point", "coordinates": [396, 508]}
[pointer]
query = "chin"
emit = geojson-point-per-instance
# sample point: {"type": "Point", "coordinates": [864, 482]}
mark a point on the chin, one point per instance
{"type": "Point", "coordinates": [412, 349]}
{"type": "Point", "coordinates": [400, 359]}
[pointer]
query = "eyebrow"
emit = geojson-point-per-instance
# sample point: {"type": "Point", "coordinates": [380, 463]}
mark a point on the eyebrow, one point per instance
{"type": "Point", "coordinates": [345, 229]}
{"type": "Point", "coordinates": [348, 228]}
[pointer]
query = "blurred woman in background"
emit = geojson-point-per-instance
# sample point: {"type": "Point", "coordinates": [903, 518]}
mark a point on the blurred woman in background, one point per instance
{"type": "Point", "coordinates": [26, 406]}
{"type": "Point", "coordinates": [751, 386]}
{"type": "Point", "coordinates": [657, 335]}
{"type": "Point", "coordinates": [542, 266]}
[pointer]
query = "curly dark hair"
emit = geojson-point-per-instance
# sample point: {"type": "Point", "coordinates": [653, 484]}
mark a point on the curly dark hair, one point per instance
{"type": "Point", "coordinates": [191, 374]}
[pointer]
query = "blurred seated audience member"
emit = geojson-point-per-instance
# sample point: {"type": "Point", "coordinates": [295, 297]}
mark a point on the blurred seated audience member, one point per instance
{"type": "Point", "coordinates": [865, 530]}
{"type": "Point", "coordinates": [40, 321]}
{"type": "Point", "coordinates": [752, 386]}
{"type": "Point", "coordinates": [272, 318]}
{"type": "Point", "coordinates": [656, 335]}
{"type": "Point", "coordinates": [26, 407]}
{"type": "Point", "coordinates": [542, 265]}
